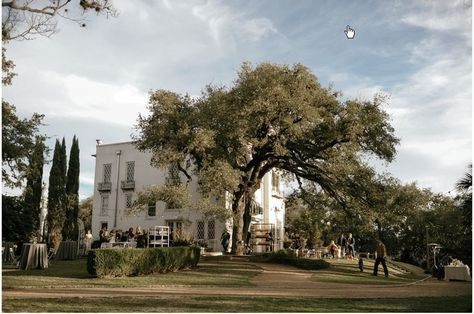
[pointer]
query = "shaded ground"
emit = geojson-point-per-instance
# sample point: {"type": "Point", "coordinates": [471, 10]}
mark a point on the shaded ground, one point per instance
{"type": "Point", "coordinates": [252, 304]}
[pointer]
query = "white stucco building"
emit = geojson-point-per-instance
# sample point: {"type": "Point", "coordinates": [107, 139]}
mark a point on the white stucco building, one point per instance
{"type": "Point", "coordinates": [122, 171]}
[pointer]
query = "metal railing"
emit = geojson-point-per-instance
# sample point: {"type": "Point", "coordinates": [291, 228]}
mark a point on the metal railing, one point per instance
{"type": "Point", "coordinates": [104, 186]}
{"type": "Point", "coordinates": [127, 185]}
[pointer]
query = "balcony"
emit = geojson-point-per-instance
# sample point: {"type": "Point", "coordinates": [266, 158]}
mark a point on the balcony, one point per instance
{"type": "Point", "coordinates": [127, 185]}
{"type": "Point", "coordinates": [104, 186]}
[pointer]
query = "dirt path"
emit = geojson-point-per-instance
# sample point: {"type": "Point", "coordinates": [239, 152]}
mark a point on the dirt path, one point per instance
{"type": "Point", "coordinates": [275, 280]}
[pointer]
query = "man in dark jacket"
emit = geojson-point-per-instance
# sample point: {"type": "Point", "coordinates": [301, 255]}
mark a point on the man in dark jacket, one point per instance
{"type": "Point", "coordinates": [225, 240]}
{"type": "Point", "coordinates": [381, 254]}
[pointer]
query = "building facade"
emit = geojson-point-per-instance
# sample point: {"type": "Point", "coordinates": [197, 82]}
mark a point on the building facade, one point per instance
{"type": "Point", "coordinates": [121, 172]}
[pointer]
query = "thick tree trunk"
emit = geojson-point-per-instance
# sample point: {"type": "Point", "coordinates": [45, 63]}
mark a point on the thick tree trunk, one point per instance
{"type": "Point", "coordinates": [247, 217]}
{"type": "Point", "coordinates": [237, 240]}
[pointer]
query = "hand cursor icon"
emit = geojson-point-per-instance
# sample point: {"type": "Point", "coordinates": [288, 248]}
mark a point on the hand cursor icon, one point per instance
{"type": "Point", "coordinates": [350, 33]}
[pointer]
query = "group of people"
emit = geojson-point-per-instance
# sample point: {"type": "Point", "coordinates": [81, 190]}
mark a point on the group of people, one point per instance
{"type": "Point", "coordinates": [131, 235]}
{"type": "Point", "coordinates": [343, 248]}
{"type": "Point", "coordinates": [119, 236]}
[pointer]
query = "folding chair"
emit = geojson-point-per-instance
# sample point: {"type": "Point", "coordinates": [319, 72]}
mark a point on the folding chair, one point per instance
{"type": "Point", "coordinates": [51, 255]}
{"type": "Point", "coordinates": [15, 259]}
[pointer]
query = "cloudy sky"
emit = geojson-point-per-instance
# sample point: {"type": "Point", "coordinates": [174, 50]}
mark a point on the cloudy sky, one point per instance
{"type": "Point", "coordinates": [94, 81]}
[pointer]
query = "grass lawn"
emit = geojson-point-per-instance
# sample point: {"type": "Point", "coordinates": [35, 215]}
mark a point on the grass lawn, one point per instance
{"type": "Point", "coordinates": [347, 271]}
{"type": "Point", "coordinates": [239, 304]}
{"type": "Point", "coordinates": [74, 274]}
{"type": "Point", "coordinates": [218, 273]}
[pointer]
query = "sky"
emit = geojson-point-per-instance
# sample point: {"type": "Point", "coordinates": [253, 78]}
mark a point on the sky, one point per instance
{"type": "Point", "coordinates": [94, 81]}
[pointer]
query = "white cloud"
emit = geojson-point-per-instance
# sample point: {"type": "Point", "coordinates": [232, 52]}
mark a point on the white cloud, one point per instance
{"type": "Point", "coordinates": [441, 16]}
{"type": "Point", "coordinates": [87, 178]}
{"type": "Point", "coordinates": [354, 86]}
{"type": "Point", "coordinates": [446, 152]}
{"type": "Point", "coordinates": [433, 112]}
{"type": "Point", "coordinates": [437, 97]}
{"type": "Point", "coordinates": [225, 24]}
{"type": "Point", "coordinates": [258, 28]}
{"type": "Point", "coordinates": [86, 98]}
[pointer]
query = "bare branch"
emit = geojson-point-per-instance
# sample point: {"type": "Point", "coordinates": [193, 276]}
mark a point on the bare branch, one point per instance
{"type": "Point", "coordinates": [24, 19]}
{"type": "Point", "coordinates": [47, 10]}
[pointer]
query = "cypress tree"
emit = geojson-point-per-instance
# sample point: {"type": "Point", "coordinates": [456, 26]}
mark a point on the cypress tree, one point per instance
{"type": "Point", "coordinates": [56, 199]}
{"type": "Point", "coordinates": [70, 230]}
{"type": "Point", "coordinates": [33, 191]}
{"type": "Point", "coordinates": [63, 164]}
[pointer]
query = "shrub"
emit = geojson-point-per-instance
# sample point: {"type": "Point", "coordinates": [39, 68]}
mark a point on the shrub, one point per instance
{"type": "Point", "coordinates": [288, 258]}
{"type": "Point", "coordinates": [181, 242]}
{"type": "Point", "coordinates": [133, 262]}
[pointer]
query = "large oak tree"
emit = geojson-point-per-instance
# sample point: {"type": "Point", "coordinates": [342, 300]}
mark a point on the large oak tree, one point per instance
{"type": "Point", "coordinates": [274, 116]}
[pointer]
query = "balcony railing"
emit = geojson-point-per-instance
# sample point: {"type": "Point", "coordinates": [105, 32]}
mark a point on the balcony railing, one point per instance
{"type": "Point", "coordinates": [104, 186]}
{"type": "Point", "coordinates": [127, 185]}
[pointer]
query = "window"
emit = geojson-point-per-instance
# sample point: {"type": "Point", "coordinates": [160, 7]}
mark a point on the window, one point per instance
{"type": "Point", "coordinates": [278, 231]}
{"type": "Point", "coordinates": [107, 172]}
{"type": "Point", "coordinates": [200, 230]}
{"type": "Point", "coordinates": [128, 200]}
{"type": "Point", "coordinates": [103, 225]}
{"type": "Point", "coordinates": [171, 226]}
{"type": "Point", "coordinates": [104, 205]}
{"type": "Point", "coordinates": [275, 182]}
{"type": "Point", "coordinates": [255, 208]}
{"type": "Point", "coordinates": [130, 171]}
{"type": "Point", "coordinates": [176, 229]}
{"type": "Point", "coordinates": [211, 229]}
{"type": "Point", "coordinates": [152, 209]}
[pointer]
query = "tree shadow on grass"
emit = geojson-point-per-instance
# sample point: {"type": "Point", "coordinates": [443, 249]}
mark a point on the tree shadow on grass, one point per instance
{"type": "Point", "coordinates": [342, 272]}
{"type": "Point", "coordinates": [76, 269]}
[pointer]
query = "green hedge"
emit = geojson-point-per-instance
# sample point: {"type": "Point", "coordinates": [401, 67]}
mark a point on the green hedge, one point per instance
{"type": "Point", "coordinates": [288, 258]}
{"type": "Point", "coordinates": [133, 262]}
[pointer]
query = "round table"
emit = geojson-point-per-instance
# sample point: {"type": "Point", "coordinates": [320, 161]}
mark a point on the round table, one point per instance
{"type": "Point", "coordinates": [34, 256]}
{"type": "Point", "coordinates": [67, 250]}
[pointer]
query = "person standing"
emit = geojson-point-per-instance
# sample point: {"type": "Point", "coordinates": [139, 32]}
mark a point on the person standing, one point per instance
{"type": "Point", "coordinates": [361, 264]}
{"type": "Point", "coordinates": [351, 245]}
{"type": "Point", "coordinates": [341, 241]}
{"type": "Point", "coordinates": [333, 249]}
{"type": "Point", "coordinates": [102, 234]}
{"type": "Point", "coordinates": [225, 240]}
{"type": "Point", "coordinates": [87, 242]}
{"type": "Point", "coordinates": [131, 235]}
{"type": "Point", "coordinates": [381, 254]}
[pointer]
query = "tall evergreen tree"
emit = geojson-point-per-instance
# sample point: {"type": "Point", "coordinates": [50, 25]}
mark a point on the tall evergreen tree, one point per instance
{"type": "Point", "coordinates": [33, 191]}
{"type": "Point", "coordinates": [63, 165]}
{"type": "Point", "coordinates": [56, 199]}
{"type": "Point", "coordinates": [72, 190]}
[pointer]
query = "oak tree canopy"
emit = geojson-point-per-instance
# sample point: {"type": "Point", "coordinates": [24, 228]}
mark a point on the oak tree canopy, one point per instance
{"type": "Point", "coordinates": [273, 116]}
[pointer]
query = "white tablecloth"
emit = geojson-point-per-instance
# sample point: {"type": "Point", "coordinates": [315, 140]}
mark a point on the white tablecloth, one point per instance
{"type": "Point", "coordinates": [457, 273]}
{"type": "Point", "coordinates": [34, 256]}
{"type": "Point", "coordinates": [67, 250]}
{"type": "Point", "coordinates": [106, 245]}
